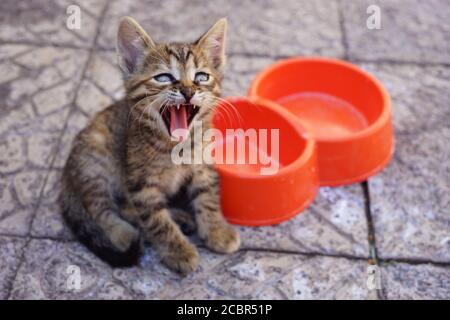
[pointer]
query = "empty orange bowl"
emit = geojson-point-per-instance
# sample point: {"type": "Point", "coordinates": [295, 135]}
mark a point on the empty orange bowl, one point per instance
{"type": "Point", "coordinates": [346, 110]}
{"type": "Point", "coordinates": [266, 177]}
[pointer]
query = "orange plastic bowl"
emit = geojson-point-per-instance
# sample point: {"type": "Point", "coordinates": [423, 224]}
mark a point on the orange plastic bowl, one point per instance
{"type": "Point", "coordinates": [346, 110]}
{"type": "Point", "coordinates": [249, 197]}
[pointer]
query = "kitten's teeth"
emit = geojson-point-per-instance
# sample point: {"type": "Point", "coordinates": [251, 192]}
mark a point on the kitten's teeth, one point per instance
{"type": "Point", "coordinates": [178, 107]}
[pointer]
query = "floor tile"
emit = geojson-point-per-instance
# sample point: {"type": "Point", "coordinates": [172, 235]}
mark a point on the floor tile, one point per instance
{"type": "Point", "coordinates": [48, 270]}
{"type": "Point", "coordinates": [10, 257]}
{"type": "Point", "coordinates": [416, 282]}
{"type": "Point", "coordinates": [334, 224]}
{"type": "Point", "coordinates": [313, 25]}
{"type": "Point", "coordinates": [413, 31]}
{"type": "Point", "coordinates": [36, 103]}
{"type": "Point", "coordinates": [45, 22]}
{"type": "Point", "coordinates": [420, 95]}
{"type": "Point", "coordinates": [410, 199]}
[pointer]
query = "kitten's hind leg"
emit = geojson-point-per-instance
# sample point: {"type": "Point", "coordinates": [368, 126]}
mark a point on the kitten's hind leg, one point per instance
{"type": "Point", "coordinates": [92, 212]}
{"type": "Point", "coordinates": [100, 228]}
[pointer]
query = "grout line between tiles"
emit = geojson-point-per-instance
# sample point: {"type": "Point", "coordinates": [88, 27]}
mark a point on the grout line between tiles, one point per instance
{"type": "Point", "coordinates": [373, 252]}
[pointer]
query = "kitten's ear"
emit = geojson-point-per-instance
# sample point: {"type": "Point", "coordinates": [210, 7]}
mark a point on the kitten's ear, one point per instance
{"type": "Point", "coordinates": [213, 43]}
{"type": "Point", "coordinates": [132, 44]}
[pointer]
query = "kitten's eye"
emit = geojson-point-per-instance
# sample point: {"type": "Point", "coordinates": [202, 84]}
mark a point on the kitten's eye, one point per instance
{"type": "Point", "coordinates": [164, 77]}
{"type": "Point", "coordinates": [201, 77]}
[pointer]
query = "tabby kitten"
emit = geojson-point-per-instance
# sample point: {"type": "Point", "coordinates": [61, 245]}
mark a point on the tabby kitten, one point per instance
{"type": "Point", "coordinates": [120, 186]}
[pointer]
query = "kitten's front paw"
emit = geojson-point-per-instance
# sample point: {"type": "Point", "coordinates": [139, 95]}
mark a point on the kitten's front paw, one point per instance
{"type": "Point", "coordinates": [223, 239]}
{"type": "Point", "coordinates": [183, 258]}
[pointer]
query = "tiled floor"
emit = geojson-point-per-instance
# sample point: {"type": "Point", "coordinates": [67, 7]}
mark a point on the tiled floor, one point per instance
{"type": "Point", "coordinates": [54, 79]}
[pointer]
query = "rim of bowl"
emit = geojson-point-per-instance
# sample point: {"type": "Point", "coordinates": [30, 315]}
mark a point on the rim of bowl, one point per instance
{"type": "Point", "coordinates": [386, 100]}
{"type": "Point", "coordinates": [307, 153]}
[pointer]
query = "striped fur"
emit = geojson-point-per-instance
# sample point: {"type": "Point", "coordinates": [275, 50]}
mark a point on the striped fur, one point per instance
{"type": "Point", "coordinates": [120, 187]}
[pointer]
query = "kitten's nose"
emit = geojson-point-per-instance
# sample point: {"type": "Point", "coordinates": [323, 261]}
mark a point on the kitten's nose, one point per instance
{"type": "Point", "coordinates": [187, 94]}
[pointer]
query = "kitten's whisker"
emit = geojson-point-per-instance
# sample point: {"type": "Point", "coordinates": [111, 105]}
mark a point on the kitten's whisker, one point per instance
{"type": "Point", "coordinates": [148, 95]}
{"type": "Point", "coordinates": [142, 112]}
{"type": "Point", "coordinates": [231, 108]}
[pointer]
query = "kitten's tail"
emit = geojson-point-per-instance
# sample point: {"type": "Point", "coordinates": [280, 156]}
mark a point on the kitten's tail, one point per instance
{"type": "Point", "coordinates": [93, 236]}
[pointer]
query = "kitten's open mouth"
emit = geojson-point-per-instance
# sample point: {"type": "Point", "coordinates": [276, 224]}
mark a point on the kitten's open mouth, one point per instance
{"type": "Point", "coordinates": [178, 117]}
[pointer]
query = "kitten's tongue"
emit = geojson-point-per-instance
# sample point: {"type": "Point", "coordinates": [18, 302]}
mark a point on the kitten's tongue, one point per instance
{"type": "Point", "coordinates": [178, 123]}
